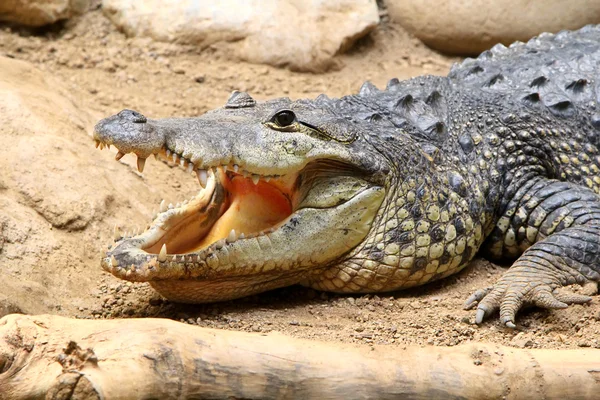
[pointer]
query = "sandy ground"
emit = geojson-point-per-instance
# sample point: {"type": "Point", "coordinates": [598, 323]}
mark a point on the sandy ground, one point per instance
{"type": "Point", "coordinates": [108, 72]}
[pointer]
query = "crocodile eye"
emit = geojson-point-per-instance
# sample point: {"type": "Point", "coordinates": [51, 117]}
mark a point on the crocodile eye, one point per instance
{"type": "Point", "coordinates": [284, 118]}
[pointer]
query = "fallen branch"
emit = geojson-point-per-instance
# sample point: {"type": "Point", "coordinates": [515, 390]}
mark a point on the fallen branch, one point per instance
{"type": "Point", "coordinates": [59, 358]}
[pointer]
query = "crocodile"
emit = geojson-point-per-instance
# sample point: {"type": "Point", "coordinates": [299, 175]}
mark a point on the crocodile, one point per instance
{"type": "Point", "coordinates": [387, 188]}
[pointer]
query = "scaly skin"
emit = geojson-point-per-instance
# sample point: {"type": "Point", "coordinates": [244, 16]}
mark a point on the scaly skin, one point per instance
{"type": "Point", "coordinates": [387, 189]}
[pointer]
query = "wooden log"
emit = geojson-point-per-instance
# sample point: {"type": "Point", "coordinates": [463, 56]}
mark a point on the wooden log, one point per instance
{"type": "Point", "coordinates": [60, 358]}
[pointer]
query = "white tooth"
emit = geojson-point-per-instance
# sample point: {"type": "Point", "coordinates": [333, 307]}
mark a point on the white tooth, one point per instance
{"type": "Point", "coordinates": [168, 153]}
{"type": "Point", "coordinates": [255, 179]}
{"type": "Point", "coordinates": [170, 207]}
{"type": "Point", "coordinates": [231, 237]}
{"type": "Point", "coordinates": [162, 256]}
{"type": "Point", "coordinates": [242, 236]}
{"type": "Point", "coordinates": [178, 205]}
{"type": "Point", "coordinates": [220, 243]}
{"type": "Point", "coordinates": [163, 206]}
{"type": "Point", "coordinates": [113, 261]}
{"type": "Point", "coordinates": [190, 168]}
{"type": "Point", "coordinates": [182, 162]}
{"type": "Point", "coordinates": [117, 233]}
{"type": "Point", "coordinates": [202, 177]}
{"type": "Point", "coordinates": [236, 168]}
{"type": "Point", "coordinates": [267, 178]}
{"type": "Point", "coordinates": [140, 164]}
{"type": "Point", "coordinates": [185, 202]}
{"type": "Point", "coordinates": [175, 158]}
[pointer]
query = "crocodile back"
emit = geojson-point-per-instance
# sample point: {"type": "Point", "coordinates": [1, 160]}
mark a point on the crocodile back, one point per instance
{"type": "Point", "coordinates": [557, 72]}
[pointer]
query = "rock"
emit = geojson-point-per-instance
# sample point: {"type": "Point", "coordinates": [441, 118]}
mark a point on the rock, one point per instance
{"type": "Point", "coordinates": [57, 193]}
{"type": "Point", "coordinates": [40, 12]}
{"type": "Point", "coordinates": [471, 26]}
{"type": "Point", "coordinates": [278, 32]}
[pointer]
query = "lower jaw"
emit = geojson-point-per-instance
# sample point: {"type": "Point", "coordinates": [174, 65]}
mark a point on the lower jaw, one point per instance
{"type": "Point", "coordinates": [216, 290]}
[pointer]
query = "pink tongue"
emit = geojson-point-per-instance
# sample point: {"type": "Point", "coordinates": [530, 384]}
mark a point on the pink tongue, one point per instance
{"type": "Point", "coordinates": [253, 209]}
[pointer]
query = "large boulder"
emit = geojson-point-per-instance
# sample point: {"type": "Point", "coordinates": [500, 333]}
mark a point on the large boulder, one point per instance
{"type": "Point", "coordinates": [301, 35]}
{"type": "Point", "coordinates": [470, 26]}
{"type": "Point", "coordinates": [40, 12]}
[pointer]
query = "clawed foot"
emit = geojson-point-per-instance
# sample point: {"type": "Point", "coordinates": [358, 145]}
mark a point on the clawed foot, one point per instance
{"type": "Point", "coordinates": [519, 287]}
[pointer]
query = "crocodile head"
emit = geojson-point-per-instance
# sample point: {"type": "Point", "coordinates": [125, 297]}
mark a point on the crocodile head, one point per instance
{"type": "Point", "coordinates": [286, 189]}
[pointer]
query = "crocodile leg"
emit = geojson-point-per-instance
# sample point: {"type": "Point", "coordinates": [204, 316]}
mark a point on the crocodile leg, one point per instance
{"type": "Point", "coordinates": [560, 221]}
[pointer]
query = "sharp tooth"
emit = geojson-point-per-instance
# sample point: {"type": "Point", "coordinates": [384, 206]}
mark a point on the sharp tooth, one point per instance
{"type": "Point", "coordinates": [101, 146]}
{"type": "Point", "coordinates": [163, 206]}
{"type": "Point", "coordinates": [170, 207]}
{"type": "Point", "coordinates": [162, 256]}
{"type": "Point", "coordinates": [267, 178]}
{"type": "Point", "coordinates": [119, 155]}
{"type": "Point", "coordinates": [117, 233]}
{"type": "Point", "coordinates": [178, 205]}
{"type": "Point", "coordinates": [113, 261]}
{"type": "Point", "coordinates": [175, 158]}
{"type": "Point", "coordinates": [155, 156]}
{"type": "Point", "coordinates": [231, 237]}
{"type": "Point", "coordinates": [108, 146]}
{"type": "Point", "coordinates": [220, 243]}
{"type": "Point", "coordinates": [202, 177]}
{"type": "Point", "coordinates": [236, 168]}
{"type": "Point", "coordinates": [242, 236]}
{"type": "Point", "coordinates": [185, 202]}
{"type": "Point", "coordinates": [190, 168]}
{"type": "Point", "coordinates": [168, 153]}
{"type": "Point", "coordinates": [255, 179]}
{"type": "Point", "coordinates": [245, 174]}
{"type": "Point", "coordinates": [97, 143]}
{"type": "Point", "coordinates": [182, 162]}
{"type": "Point", "coordinates": [140, 164]}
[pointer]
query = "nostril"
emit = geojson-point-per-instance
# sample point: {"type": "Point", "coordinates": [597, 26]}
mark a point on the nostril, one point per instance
{"type": "Point", "coordinates": [133, 116]}
{"type": "Point", "coordinates": [138, 118]}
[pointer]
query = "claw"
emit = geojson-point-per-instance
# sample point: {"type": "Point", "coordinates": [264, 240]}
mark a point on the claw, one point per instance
{"type": "Point", "coordinates": [479, 316]}
{"type": "Point", "coordinates": [475, 298]}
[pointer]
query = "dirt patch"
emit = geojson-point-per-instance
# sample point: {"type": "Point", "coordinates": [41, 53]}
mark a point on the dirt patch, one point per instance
{"type": "Point", "coordinates": [106, 72]}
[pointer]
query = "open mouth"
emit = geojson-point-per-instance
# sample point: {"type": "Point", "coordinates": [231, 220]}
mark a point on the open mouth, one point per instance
{"type": "Point", "coordinates": [231, 205]}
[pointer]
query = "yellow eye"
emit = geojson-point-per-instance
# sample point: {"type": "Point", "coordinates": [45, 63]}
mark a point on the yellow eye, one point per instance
{"type": "Point", "coordinates": [284, 118]}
